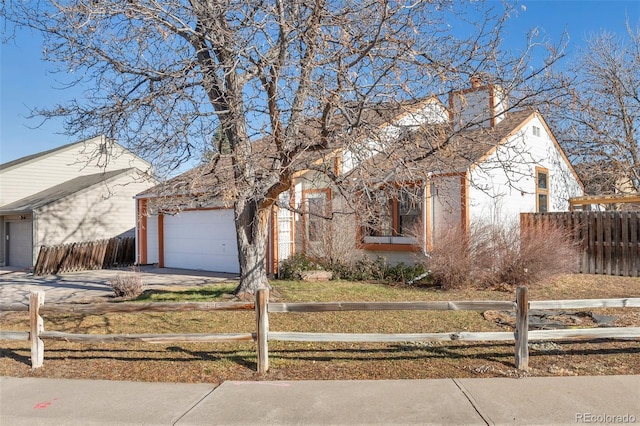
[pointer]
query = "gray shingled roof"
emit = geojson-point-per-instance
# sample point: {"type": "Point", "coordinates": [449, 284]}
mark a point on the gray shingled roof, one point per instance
{"type": "Point", "coordinates": [58, 192]}
{"type": "Point", "coordinates": [34, 156]}
{"type": "Point", "coordinates": [457, 152]}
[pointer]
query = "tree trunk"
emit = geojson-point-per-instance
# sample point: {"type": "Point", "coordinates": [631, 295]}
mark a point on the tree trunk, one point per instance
{"type": "Point", "coordinates": [252, 229]}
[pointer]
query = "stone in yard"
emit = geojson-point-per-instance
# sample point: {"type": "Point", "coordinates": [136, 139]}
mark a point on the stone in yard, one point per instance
{"type": "Point", "coordinates": [316, 275]}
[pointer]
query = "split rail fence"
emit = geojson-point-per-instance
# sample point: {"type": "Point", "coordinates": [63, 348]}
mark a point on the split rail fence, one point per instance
{"type": "Point", "coordinates": [85, 256]}
{"type": "Point", "coordinates": [609, 241]}
{"type": "Point", "coordinates": [521, 335]}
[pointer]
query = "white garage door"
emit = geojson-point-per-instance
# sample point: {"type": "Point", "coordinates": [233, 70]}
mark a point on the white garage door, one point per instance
{"type": "Point", "coordinates": [20, 244]}
{"type": "Point", "coordinates": [204, 240]}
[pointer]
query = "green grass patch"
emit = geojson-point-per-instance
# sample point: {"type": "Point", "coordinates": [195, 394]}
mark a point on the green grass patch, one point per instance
{"type": "Point", "coordinates": [196, 294]}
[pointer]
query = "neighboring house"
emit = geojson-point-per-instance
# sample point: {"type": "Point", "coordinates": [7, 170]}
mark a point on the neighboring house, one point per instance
{"type": "Point", "coordinates": [494, 165]}
{"type": "Point", "coordinates": [78, 192]}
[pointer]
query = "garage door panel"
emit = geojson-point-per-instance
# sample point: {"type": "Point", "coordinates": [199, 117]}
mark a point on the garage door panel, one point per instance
{"type": "Point", "coordinates": [20, 243]}
{"type": "Point", "coordinates": [203, 240]}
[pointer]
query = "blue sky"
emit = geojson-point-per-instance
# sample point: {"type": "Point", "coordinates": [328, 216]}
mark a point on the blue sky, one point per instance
{"type": "Point", "coordinates": [26, 81]}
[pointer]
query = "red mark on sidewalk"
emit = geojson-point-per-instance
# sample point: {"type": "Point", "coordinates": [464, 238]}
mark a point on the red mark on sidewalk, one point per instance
{"type": "Point", "coordinates": [44, 405]}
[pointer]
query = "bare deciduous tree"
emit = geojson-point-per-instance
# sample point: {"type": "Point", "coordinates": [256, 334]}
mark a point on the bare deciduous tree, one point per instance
{"type": "Point", "coordinates": [281, 78]}
{"type": "Point", "coordinates": [600, 123]}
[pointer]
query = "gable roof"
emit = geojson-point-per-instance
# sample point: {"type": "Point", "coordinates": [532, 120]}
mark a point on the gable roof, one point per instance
{"type": "Point", "coordinates": [435, 148]}
{"type": "Point", "coordinates": [32, 157]}
{"type": "Point", "coordinates": [216, 179]}
{"type": "Point", "coordinates": [58, 192]}
{"type": "Point", "coordinates": [43, 154]}
{"type": "Point", "coordinates": [473, 145]}
{"type": "Point", "coordinates": [439, 149]}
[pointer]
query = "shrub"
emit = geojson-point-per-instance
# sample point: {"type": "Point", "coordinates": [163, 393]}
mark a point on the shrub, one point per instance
{"type": "Point", "coordinates": [539, 254]}
{"type": "Point", "coordinates": [362, 269]}
{"type": "Point", "coordinates": [495, 255]}
{"type": "Point", "coordinates": [127, 285]}
{"type": "Point", "coordinates": [403, 273]}
{"type": "Point", "coordinates": [451, 261]}
{"type": "Point", "coordinates": [292, 268]}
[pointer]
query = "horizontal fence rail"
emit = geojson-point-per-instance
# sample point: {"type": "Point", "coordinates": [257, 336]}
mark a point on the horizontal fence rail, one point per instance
{"type": "Point", "coordinates": [83, 256]}
{"type": "Point", "coordinates": [609, 241]}
{"type": "Point", "coordinates": [483, 305]}
{"type": "Point", "coordinates": [521, 334]}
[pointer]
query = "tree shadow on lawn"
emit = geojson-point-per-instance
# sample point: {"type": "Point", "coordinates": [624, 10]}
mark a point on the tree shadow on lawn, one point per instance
{"type": "Point", "coordinates": [400, 352]}
{"type": "Point", "coordinates": [499, 353]}
{"type": "Point", "coordinates": [476, 351]}
{"type": "Point", "coordinates": [62, 354]}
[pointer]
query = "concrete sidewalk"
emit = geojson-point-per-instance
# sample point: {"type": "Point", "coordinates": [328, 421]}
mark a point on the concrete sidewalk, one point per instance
{"type": "Point", "coordinates": [535, 400]}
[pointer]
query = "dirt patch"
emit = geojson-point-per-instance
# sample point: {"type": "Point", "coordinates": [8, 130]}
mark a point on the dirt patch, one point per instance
{"type": "Point", "coordinates": [553, 319]}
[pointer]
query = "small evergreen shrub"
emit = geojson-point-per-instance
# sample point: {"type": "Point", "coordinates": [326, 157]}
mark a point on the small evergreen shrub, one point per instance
{"type": "Point", "coordinates": [292, 268]}
{"type": "Point", "coordinates": [362, 269]}
{"type": "Point", "coordinates": [403, 273]}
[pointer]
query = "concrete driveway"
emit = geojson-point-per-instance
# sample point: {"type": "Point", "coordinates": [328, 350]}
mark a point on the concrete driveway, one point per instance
{"type": "Point", "coordinates": [93, 286]}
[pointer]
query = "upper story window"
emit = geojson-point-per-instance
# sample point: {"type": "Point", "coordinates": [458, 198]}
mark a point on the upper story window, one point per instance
{"type": "Point", "coordinates": [542, 190]}
{"type": "Point", "coordinates": [536, 131]}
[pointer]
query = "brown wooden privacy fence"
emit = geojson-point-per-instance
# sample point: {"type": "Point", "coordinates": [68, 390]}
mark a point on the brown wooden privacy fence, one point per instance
{"type": "Point", "coordinates": [609, 241]}
{"type": "Point", "coordinates": [521, 334]}
{"type": "Point", "coordinates": [84, 256]}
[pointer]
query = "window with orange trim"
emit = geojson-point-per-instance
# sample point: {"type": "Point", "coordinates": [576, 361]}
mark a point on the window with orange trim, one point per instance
{"type": "Point", "coordinates": [398, 221]}
{"type": "Point", "coordinates": [317, 207]}
{"type": "Point", "coordinates": [542, 190]}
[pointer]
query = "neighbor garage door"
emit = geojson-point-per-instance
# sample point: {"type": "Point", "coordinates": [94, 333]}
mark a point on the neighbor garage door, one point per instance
{"type": "Point", "coordinates": [20, 244]}
{"type": "Point", "coordinates": [203, 240]}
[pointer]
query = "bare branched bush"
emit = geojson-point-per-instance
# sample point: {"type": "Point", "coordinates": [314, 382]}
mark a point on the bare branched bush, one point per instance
{"type": "Point", "coordinates": [451, 260]}
{"type": "Point", "coordinates": [335, 241]}
{"type": "Point", "coordinates": [492, 255]}
{"type": "Point", "coordinates": [127, 285]}
{"type": "Point", "coordinates": [536, 254]}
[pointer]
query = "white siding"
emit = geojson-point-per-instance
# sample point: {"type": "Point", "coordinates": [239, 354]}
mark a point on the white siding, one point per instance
{"type": "Point", "coordinates": [432, 111]}
{"type": "Point", "coordinates": [79, 159]}
{"type": "Point", "coordinates": [445, 203]}
{"type": "Point", "coordinates": [103, 211]}
{"type": "Point", "coordinates": [504, 186]}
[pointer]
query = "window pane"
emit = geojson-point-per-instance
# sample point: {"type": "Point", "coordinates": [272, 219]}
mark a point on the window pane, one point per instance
{"type": "Point", "coordinates": [542, 180]}
{"type": "Point", "coordinates": [409, 213]}
{"type": "Point", "coordinates": [316, 225]}
{"type": "Point", "coordinates": [543, 203]}
{"type": "Point", "coordinates": [382, 224]}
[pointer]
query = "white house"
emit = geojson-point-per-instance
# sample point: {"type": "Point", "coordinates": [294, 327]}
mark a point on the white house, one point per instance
{"type": "Point", "coordinates": [483, 163]}
{"type": "Point", "coordinates": [78, 192]}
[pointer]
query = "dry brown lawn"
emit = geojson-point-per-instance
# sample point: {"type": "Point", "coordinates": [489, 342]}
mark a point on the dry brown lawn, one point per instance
{"type": "Point", "coordinates": [217, 362]}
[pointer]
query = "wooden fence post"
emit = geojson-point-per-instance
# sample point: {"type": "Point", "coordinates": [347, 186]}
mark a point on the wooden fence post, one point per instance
{"type": "Point", "coordinates": [36, 299]}
{"type": "Point", "coordinates": [262, 335]}
{"type": "Point", "coordinates": [522, 329]}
